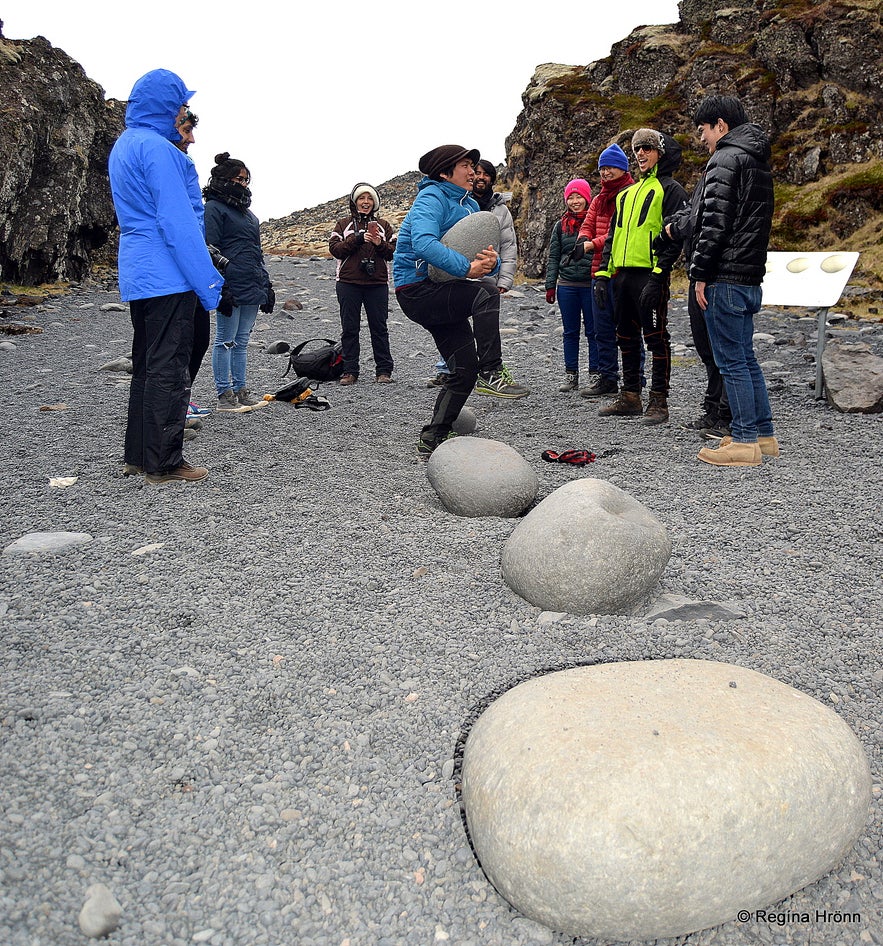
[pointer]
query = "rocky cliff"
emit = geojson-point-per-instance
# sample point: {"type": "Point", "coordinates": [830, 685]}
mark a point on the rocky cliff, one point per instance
{"type": "Point", "coordinates": [811, 75]}
{"type": "Point", "coordinates": [57, 131]}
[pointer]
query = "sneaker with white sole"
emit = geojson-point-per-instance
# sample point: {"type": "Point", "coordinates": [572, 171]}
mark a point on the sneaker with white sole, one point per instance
{"type": "Point", "coordinates": [246, 398]}
{"type": "Point", "coordinates": [500, 384]}
{"type": "Point", "coordinates": [227, 402]}
{"type": "Point", "coordinates": [194, 411]}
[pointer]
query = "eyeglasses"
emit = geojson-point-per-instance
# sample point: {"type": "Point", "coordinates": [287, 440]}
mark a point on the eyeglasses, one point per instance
{"type": "Point", "coordinates": [241, 180]}
{"type": "Point", "coordinates": [638, 148]}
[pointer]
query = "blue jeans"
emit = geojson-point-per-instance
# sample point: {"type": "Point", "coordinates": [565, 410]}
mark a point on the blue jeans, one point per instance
{"type": "Point", "coordinates": [605, 336]}
{"type": "Point", "coordinates": [232, 333]}
{"type": "Point", "coordinates": [575, 303]}
{"type": "Point", "coordinates": [730, 321]}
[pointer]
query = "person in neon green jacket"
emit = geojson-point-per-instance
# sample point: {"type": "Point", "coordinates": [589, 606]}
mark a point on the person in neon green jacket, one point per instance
{"type": "Point", "coordinates": [641, 275]}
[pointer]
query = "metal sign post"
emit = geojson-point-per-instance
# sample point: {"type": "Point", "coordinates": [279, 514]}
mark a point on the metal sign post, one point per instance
{"type": "Point", "coordinates": [813, 280]}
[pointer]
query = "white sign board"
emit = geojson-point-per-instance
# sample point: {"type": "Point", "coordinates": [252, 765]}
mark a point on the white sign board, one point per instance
{"type": "Point", "coordinates": [813, 280]}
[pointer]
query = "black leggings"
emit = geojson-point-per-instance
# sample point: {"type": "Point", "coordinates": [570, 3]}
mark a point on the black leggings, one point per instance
{"type": "Point", "coordinates": [444, 310]}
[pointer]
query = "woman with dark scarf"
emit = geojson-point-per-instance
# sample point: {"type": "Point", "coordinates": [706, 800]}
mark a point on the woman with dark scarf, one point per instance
{"type": "Point", "coordinates": [572, 283]}
{"type": "Point", "coordinates": [362, 244]}
{"type": "Point", "coordinates": [235, 231]}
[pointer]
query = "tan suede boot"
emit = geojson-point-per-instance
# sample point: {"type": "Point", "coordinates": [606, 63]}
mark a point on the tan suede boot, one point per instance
{"type": "Point", "coordinates": [657, 409]}
{"type": "Point", "coordinates": [769, 446]}
{"type": "Point", "coordinates": [627, 404]}
{"type": "Point", "coordinates": [732, 454]}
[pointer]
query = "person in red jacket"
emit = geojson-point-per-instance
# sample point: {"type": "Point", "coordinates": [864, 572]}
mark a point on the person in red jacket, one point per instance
{"type": "Point", "coordinates": [613, 166]}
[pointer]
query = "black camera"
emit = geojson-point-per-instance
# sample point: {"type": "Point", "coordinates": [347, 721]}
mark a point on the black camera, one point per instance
{"type": "Point", "coordinates": [369, 265]}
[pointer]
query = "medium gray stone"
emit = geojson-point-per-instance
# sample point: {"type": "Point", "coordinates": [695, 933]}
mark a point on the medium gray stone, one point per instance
{"type": "Point", "coordinates": [278, 348]}
{"type": "Point", "coordinates": [650, 799]}
{"type": "Point", "coordinates": [853, 378]}
{"type": "Point", "coordinates": [101, 913]}
{"type": "Point", "coordinates": [118, 364]}
{"type": "Point", "coordinates": [466, 422]}
{"type": "Point", "coordinates": [588, 548]}
{"type": "Point", "coordinates": [679, 608]}
{"type": "Point", "coordinates": [468, 236]}
{"type": "Point", "coordinates": [46, 542]}
{"type": "Point", "coordinates": [477, 477]}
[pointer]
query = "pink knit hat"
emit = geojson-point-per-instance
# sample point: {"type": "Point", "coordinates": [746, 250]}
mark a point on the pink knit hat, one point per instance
{"type": "Point", "coordinates": [579, 186]}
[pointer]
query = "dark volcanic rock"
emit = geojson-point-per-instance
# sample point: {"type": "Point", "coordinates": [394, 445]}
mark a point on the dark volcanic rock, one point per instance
{"type": "Point", "coordinates": [58, 129]}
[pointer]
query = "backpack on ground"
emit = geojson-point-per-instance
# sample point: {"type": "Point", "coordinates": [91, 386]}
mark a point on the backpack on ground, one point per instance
{"type": "Point", "coordinates": [324, 363]}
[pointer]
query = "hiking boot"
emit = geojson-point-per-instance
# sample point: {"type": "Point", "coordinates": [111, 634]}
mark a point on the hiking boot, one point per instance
{"type": "Point", "coordinates": [600, 387]}
{"type": "Point", "coordinates": [439, 381]}
{"type": "Point", "coordinates": [769, 446]}
{"type": "Point", "coordinates": [426, 445]}
{"type": "Point", "coordinates": [714, 433]}
{"type": "Point", "coordinates": [731, 454]}
{"type": "Point", "coordinates": [190, 434]}
{"type": "Point", "coordinates": [192, 423]}
{"type": "Point", "coordinates": [246, 398]}
{"type": "Point", "coordinates": [571, 381]}
{"type": "Point", "coordinates": [185, 473]}
{"type": "Point", "coordinates": [626, 405]}
{"type": "Point", "coordinates": [657, 410]}
{"type": "Point", "coordinates": [500, 384]}
{"type": "Point", "coordinates": [130, 469]}
{"type": "Point", "coordinates": [703, 422]}
{"type": "Point", "coordinates": [227, 402]}
{"type": "Point", "coordinates": [383, 379]}
{"type": "Point", "coordinates": [347, 379]}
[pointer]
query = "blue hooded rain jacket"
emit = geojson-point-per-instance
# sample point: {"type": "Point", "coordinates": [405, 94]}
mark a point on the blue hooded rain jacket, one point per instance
{"type": "Point", "coordinates": [159, 210]}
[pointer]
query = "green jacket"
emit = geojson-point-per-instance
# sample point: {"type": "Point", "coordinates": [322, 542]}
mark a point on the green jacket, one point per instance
{"type": "Point", "coordinates": [637, 221]}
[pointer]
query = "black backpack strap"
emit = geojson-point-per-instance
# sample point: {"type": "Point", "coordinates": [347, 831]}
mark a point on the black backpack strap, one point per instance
{"type": "Point", "coordinates": [299, 348]}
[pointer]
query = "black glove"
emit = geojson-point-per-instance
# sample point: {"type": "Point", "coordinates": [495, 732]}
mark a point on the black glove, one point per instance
{"type": "Point", "coordinates": [661, 243]}
{"type": "Point", "coordinates": [599, 290]}
{"type": "Point", "coordinates": [270, 304]}
{"type": "Point", "coordinates": [578, 252]}
{"type": "Point", "coordinates": [651, 294]}
{"type": "Point", "coordinates": [227, 303]}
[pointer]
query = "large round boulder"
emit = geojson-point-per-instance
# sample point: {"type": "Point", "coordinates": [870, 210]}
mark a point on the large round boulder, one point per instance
{"type": "Point", "coordinates": [478, 477]}
{"type": "Point", "coordinates": [588, 548]}
{"type": "Point", "coordinates": [651, 799]}
{"type": "Point", "coordinates": [469, 236]}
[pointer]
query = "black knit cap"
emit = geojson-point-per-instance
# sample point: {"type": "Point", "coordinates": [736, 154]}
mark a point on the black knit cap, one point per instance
{"type": "Point", "coordinates": [443, 157]}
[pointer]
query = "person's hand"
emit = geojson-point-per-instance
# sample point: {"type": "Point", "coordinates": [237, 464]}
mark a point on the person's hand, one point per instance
{"type": "Point", "coordinates": [502, 290]}
{"type": "Point", "coordinates": [550, 296]}
{"type": "Point", "coordinates": [700, 294]}
{"type": "Point", "coordinates": [373, 237]}
{"type": "Point", "coordinates": [483, 264]}
{"type": "Point", "coordinates": [227, 302]}
{"type": "Point", "coordinates": [599, 291]}
{"type": "Point", "coordinates": [651, 294]}
{"type": "Point", "coordinates": [270, 304]}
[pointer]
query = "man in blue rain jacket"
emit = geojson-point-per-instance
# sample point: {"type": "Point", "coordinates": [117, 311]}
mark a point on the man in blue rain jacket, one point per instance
{"type": "Point", "coordinates": [164, 267]}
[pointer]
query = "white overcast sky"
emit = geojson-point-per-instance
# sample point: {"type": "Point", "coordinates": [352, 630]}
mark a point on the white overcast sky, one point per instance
{"type": "Point", "coordinates": [317, 96]}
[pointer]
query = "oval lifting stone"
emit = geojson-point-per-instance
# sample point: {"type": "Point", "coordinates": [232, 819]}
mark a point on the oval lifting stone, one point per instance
{"type": "Point", "coordinates": [651, 799]}
{"type": "Point", "coordinates": [587, 548]}
{"type": "Point", "coordinates": [477, 477]}
{"type": "Point", "coordinates": [469, 236]}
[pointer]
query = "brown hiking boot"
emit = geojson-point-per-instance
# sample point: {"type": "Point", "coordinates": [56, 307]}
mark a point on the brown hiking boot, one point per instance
{"type": "Point", "coordinates": [185, 473]}
{"type": "Point", "coordinates": [657, 409]}
{"type": "Point", "coordinates": [731, 454]}
{"type": "Point", "coordinates": [627, 404]}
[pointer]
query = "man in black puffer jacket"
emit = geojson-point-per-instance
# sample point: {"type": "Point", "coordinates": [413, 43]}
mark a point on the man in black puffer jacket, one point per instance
{"type": "Point", "coordinates": [727, 266]}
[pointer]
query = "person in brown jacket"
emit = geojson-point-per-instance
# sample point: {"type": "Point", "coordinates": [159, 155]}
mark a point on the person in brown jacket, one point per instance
{"type": "Point", "coordinates": [363, 244]}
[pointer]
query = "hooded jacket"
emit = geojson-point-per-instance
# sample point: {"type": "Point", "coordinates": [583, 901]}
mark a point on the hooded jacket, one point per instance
{"type": "Point", "coordinates": [349, 247]}
{"type": "Point", "coordinates": [495, 203]}
{"type": "Point", "coordinates": [734, 211]}
{"type": "Point", "coordinates": [639, 213]}
{"type": "Point", "coordinates": [162, 241]}
{"type": "Point", "coordinates": [437, 207]}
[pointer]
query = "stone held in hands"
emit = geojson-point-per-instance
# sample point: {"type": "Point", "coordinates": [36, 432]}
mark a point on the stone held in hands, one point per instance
{"type": "Point", "coordinates": [477, 477]}
{"type": "Point", "coordinates": [588, 548]}
{"type": "Point", "coordinates": [650, 799]}
{"type": "Point", "coordinates": [469, 236]}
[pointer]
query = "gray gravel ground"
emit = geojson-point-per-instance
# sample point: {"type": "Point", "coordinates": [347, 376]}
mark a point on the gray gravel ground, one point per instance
{"type": "Point", "coordinates": [251, 731]}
